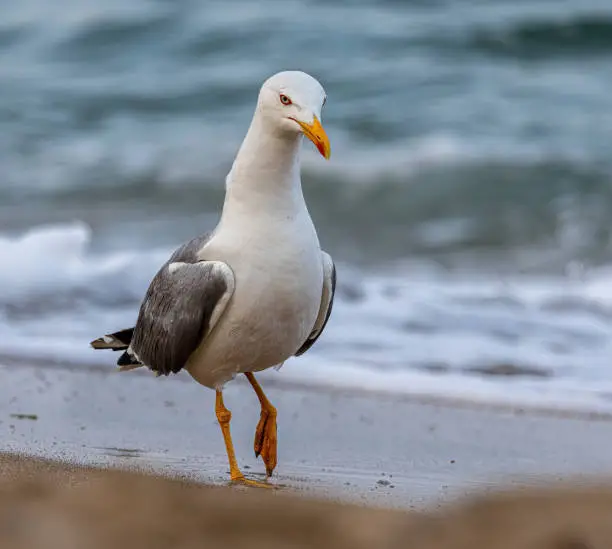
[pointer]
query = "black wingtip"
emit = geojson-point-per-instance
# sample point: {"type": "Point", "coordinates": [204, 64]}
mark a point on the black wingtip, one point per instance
{"type": "Point", "coordinates": [126, 359]}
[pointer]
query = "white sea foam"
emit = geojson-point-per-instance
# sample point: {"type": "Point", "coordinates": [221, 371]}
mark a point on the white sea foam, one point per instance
{"type": "Point", "coordinates": [55, 259]}
{"type": "Point", "coordinates": [409, 331]}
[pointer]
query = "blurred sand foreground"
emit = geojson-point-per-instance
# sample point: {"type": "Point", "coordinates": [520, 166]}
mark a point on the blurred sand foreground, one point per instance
{"type": "Point", "coordinates": [51, 505]}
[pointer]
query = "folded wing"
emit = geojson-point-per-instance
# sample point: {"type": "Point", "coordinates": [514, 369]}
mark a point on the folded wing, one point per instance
{"type": "Point", "coordinates": [183, 303]}
{"type": "Point", "coordinates": [327, 302]}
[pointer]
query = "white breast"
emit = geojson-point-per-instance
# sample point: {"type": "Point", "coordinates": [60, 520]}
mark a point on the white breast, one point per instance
{"type": "Point", "coordinates": [278, 269]}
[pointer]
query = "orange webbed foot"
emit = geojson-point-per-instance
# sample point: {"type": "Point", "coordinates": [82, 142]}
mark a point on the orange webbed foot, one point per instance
{"type": "Point", "coordinates": [266, 439]}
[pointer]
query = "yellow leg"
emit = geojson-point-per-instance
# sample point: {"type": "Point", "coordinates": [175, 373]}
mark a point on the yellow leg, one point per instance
{"type": "Point", "coordinates": [265, 434]}
{"type": "Point", "coordinates": [224, 416]}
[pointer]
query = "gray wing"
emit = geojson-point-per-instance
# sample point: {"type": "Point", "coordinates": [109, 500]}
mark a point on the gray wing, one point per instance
{"type": "Point", "coordinates": [327, 302]}
{"type": "Point", "coordinates": [182, 305]}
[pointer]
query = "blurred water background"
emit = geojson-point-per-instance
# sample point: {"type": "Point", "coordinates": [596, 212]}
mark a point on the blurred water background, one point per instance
{"type": "Point", "coordinates": [467, 201]}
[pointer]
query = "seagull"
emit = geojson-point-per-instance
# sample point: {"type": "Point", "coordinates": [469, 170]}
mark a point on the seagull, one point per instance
{"type": "Point", "coordinates": [256, 290]}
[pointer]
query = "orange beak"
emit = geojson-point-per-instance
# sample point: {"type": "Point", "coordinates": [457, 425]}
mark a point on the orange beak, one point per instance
{"type": "Point", "coordinates": [317, 135]}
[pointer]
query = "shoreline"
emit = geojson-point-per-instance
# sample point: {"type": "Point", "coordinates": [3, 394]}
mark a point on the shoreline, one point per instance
{"type": "Point", "coordinates": [276, 381]}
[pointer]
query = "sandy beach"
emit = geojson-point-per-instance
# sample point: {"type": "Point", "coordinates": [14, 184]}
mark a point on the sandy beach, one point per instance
{"type": "Point", "coordinates": [457, 476]}
{"type": "Point", "coordinates": [383, 451]}
{"type": "Point", "coordinates": [51, 505]}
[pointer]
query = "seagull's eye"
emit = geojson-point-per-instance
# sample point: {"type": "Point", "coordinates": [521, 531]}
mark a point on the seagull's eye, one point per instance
{"type": "Point", "coordinates": [284, 99]}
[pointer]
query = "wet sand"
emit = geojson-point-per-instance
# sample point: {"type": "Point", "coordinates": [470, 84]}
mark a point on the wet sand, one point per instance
{"type": "Point", "coordinates": [385, 452]}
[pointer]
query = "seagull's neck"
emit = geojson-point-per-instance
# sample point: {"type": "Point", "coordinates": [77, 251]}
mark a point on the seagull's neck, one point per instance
{"type": "Point", "coordinates": [265, 176]}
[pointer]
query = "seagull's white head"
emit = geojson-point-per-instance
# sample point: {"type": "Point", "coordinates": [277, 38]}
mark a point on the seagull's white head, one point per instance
{"type": "Point", "coordinates": [292, 101]}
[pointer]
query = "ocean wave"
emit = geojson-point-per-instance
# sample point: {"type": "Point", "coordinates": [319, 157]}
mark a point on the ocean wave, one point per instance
{"type": "Point", "coordinates": [54, 260]}
{"type": "Point", "coordinates": [48, 265]}
{"type": "Point", "coordinates": [438, 200]}
{"type": "Point", "coordinates": [580, 35]}
{"type": "Point", "coordinates": [415, 329]}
